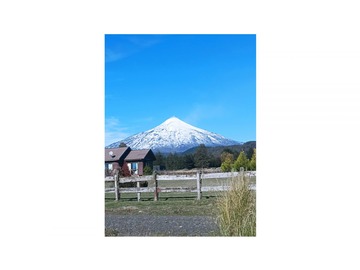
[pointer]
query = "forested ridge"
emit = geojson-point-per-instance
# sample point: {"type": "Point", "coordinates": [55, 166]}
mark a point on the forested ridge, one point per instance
{"type": "Point", "coordinates": [226, 157]}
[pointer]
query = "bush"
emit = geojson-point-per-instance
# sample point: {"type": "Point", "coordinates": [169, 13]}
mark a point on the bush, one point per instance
{"type": "Point", "coordinates": [237, 210]}
{"type": "Point", "coordinates": [148, 170]}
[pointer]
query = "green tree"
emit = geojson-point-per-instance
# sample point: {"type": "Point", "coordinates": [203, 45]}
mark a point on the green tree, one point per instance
{"type": "Point", "coordinates": [227, 161]}
{"type": "Point", "coordinates": [249, 153]}
{"type": "Point", "coordinates": [189, 161]}
{"type": "Point", "coordinates": [160, 160]}
{"type": "Point", "coordinates": [174, 162]}
{"type": "Point", "coordinates": [241, 161]}
{"type": "Point", "coordinates": [179, 162]}
{"type": "Point", "coordinates": [252, 163]}
{"type": "Point", "coordinates": [170, 161]}
{"type": "Point", "coordinates": [227, 150]}
{"type": "Point", "coordinates": [215, 161]}
{"type": "Point", "coordinates": [201, 157]}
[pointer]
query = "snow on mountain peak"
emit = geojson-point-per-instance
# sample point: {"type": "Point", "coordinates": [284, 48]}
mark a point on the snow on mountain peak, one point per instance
{"type": "Point", "coordinates": [172, 119]}
{"type": "Point", "coordinates": [174, 123]}
{"type": "Point", "coordinates": [174, 135]}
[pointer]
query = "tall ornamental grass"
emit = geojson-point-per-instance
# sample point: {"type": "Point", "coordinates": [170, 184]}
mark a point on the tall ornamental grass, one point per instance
{"type": "Point", "coordinates": [237, 209]}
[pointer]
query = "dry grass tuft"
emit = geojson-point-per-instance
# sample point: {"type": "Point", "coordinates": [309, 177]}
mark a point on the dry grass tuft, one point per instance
{"type": "Point", "coordinates": [237, 209]}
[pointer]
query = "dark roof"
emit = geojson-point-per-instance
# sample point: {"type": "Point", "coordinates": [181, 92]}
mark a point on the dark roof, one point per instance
{"type": "Point", "coordinates": [140, 155]}
{"type": "Point", "coordinates": [117, 153]}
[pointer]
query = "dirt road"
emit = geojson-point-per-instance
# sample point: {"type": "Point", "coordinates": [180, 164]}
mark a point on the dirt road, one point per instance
{"type": "Point", "coordinates": [147, 225]}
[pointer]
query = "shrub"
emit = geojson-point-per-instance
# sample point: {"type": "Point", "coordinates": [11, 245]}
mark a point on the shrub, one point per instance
{"type": "Point", "coordinates": [148, 170]}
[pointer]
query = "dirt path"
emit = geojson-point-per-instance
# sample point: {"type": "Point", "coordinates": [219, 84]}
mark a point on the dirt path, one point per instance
{"type": "Point", "coordinates": [147, 225]}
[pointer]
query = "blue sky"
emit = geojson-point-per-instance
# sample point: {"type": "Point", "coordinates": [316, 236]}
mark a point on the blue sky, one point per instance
{"type": "Point", "coordinates": [208, 81]}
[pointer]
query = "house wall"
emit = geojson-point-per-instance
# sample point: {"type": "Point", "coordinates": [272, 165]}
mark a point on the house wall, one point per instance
{"type": "Point", "coordinates": [126, 165]}
{"type": "Point", "coordinates": [112, 164]}
{"type": "Point", "coordinates": [110, 167]}
{"type": "Point", "coordinates": [141, 167]}
{"type": "Point", "coordinates": [149, 163]}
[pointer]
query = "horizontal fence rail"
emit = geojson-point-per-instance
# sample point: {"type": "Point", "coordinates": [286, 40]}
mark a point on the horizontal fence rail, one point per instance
{"type": "Point", "coordinates": [175, 177]}
{"type": "Point", "coordinates": [172, 177]}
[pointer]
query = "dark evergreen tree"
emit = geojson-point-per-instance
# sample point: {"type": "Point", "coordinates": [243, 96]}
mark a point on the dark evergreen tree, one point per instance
{"type": "Point", "coordinates": [228, 150]}
{"type": "Point", "coordinates": [201, 157]}
{"type": "Point", "coordinates": [171, 161]}
{"type": "Point", "coordinates": [160, 160]}
{"type": "Point", "coordinates": [180, 162]}
{"type": "Point", "coordinates": [214, 161]}
{"type": "Point", "coordinates": [189, 161]}
{"type": "Point", "coordinates": [249, 153]}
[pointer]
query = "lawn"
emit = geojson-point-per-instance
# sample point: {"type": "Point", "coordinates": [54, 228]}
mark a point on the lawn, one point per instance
{"type": "Point", "coordinates": [184, 204]}
{"type": "Point", "coordinates": [189, 183]}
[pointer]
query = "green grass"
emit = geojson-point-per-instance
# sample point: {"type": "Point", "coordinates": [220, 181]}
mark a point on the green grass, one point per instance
{"type": "Point", "coordinates": [189, 183]}
{"type": "Point", "coordinates": [111, 232]}
{"type": "Point", "coordinates": [235, 210]}
{"type": "Point", "coordinates": [178, 183]}
{"type": "Point", "coordinates": [184, 204]}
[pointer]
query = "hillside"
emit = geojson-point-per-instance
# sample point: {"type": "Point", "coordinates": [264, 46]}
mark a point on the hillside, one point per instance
{"type": "Point", "coordinates": [217, 150]}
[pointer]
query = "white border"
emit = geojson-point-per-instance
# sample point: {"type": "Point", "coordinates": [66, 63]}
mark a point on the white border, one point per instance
{"type": "Point", "coordinates": [52, 107]}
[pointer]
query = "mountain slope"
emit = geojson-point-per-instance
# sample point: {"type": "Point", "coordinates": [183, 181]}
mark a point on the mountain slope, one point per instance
{"type": "Point", "coordinates": [174, 135]}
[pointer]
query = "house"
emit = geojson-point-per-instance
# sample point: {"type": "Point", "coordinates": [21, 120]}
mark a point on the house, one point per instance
{"type": "Point", "coordinates": [115, 159]}
{"type": "Point", "coordinates": [128, 161]}
{"type": "Point", "coordinates": [137, 160]}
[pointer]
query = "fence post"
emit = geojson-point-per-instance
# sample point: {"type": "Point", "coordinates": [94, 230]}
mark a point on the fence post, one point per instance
{"type": "Point", "coordinates": [138, 188]}
{"type": "Point", "coordinates": [198, 184]}
{"type": "Point", "coordinates": [156, 194]}
{"type": "Point", "coordinates": [117, 187]}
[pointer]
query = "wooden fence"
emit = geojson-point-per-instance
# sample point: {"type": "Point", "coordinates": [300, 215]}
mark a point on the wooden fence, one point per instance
{"type": "Point", "coordinates": [175, 177]}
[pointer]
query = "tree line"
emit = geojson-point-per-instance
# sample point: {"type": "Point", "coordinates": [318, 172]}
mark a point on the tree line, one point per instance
{"type": "Point", "coordinates": [229, 163]}
{"type": "Point", "coordinates": [202, 158]}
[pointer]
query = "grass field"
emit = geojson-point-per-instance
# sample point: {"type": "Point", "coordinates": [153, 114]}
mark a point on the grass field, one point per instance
{"type": "Point", "coordinates": [189, 183]}
{"type": "Point", "coordinates": [183, 203]}
{"type": "Point", "coordinates": [168, 204]}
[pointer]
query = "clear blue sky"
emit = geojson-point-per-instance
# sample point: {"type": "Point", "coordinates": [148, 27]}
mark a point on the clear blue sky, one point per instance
{"type": "Point", "coordinates": [208, 81]}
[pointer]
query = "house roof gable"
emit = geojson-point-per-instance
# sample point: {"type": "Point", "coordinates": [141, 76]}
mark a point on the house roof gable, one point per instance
{"type": "Point", "coordinates": [140, 155]}
{"type": "Point", "coordinates": [115, 154]}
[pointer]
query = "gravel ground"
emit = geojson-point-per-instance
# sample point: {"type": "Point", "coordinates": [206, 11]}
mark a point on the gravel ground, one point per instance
{"type": "Point", "coordinates": [146, 225]}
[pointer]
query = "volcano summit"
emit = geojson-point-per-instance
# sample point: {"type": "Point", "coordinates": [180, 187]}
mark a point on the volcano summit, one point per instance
{"type": "Point", "coordinates": [174, 135]}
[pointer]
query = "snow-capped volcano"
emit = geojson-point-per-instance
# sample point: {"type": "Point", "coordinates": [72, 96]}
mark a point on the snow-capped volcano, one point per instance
{"type": "Point", "coordinates": [173, 135]}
